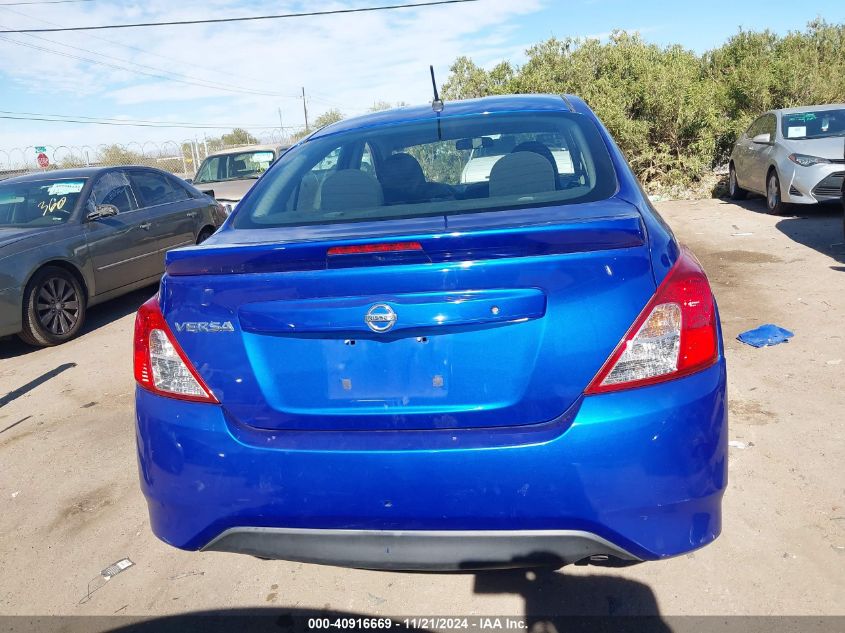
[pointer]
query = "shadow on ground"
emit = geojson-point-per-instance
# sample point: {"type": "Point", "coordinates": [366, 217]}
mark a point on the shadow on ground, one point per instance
{"type": "Point", "coordinates": [554, 601]}
{"type": "Point", "coordinates": [32, 384]}
{"type": "Point", "coordinates": [98, 316]}
{"type": "Point", "coordinates": [550, 594]}
{"type": "Point", "coordinates": [819, 227]}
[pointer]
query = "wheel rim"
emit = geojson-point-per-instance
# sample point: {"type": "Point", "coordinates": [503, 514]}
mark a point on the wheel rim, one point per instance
{"type": "Point", "coordinates": [57, 306]}
{"type": "Point", "coordinates": [773, 195]}
{"type": "Point", "coordinates": [732, 182]}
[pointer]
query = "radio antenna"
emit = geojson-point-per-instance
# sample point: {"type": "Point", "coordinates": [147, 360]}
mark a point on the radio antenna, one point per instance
{"type": "Point", "coordinates": [437, 104]}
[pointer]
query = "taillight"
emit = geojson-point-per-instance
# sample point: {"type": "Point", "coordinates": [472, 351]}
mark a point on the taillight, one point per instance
{"type": "Point", "coordinates": [160, 364]}
{"type": "Point", "coordinates": [675, 335]}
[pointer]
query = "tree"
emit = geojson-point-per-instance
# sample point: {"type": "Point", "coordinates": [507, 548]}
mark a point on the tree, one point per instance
{"type": "Point", "coordinates": [119, 155]}
{"type": "Point", "coordinates": [298, 136]}
{"type": "Point", "coordinates": [327, 118]}
{"type": "Point", "coordinates": [71, 161]}
{"type": "Point", "coordinates": [380, 106]}
{"type": "Point", "coordinates": [674, 114]}
{"type": "Point", "coordinates": [238, 136]}
{"type": "Point", "coordinates": [468, 81]}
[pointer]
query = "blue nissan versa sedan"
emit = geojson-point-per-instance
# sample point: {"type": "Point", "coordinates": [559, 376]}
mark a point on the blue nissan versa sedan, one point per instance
{"type": "Point", "coordinates": [375, 363]}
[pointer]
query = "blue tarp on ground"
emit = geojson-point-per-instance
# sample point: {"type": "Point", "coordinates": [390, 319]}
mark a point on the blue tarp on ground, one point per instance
{"type": "Point", "coordinates": [765, 335]}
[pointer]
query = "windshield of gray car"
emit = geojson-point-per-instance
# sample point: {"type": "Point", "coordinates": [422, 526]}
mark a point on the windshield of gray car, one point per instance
{"type": "Point", "coordinates": [35, 203]}
{"type": "Point", "coordinates": [234, 166]}
{"type": "Point", "coordinates": [818, 124]}
{"type": "Point", "coordinates": [417, 168]}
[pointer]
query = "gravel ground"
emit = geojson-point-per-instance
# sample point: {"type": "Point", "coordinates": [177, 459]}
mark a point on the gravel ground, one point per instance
{"type": "Point", "coordinates": [70, 503]}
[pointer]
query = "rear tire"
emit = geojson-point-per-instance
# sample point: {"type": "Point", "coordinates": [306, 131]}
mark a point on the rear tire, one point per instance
{"type": "Point", "coordinates": [205, 234]}
{"type": "Point", "coordinates": [734, 190]}
{"type": "Point", "coordinates": [774, 202]}
{"type": "Point", "coordinates": [53, 307]}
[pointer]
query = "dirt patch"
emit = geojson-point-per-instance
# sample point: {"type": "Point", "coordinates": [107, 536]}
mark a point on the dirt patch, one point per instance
{"type": "Point", "coordinates": [735, 285]}
{"type": "Point", "coordinates": [14, 439]}
{"type": "Point", "coordinates": [84, 508]}
{"type": "Point", "coordinates": [750, 412]}
{"type": "Point", "coordinates": [746, 257]}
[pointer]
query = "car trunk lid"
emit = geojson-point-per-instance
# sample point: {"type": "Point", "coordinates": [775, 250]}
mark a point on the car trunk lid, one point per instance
{"type": "Point", "coordinates": [486, 319]}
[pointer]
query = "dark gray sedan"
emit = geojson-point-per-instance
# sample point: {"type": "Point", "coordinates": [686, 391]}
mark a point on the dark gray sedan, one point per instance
{"type": "Point", "coordinates": [75, 237]}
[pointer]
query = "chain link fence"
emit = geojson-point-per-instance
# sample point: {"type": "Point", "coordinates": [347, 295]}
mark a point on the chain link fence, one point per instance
{"type": "Point", "coordinates": [181, 158]}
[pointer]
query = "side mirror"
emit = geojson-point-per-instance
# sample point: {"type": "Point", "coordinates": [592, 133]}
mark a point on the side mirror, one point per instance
{"type": "Point", "coordinates": [190, 181]}
{"type": "Point", "coordinates": [762, 139]}
{"type": "Point", "coordinates": [97, 212]}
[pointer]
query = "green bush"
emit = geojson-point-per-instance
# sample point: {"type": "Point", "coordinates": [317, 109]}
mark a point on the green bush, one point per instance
{"type": "Point", "coordinates": [673, 113]}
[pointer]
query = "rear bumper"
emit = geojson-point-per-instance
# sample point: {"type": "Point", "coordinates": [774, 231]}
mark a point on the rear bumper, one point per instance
{"type": "Point", "coordinates": [641, 472]}
{"type": "Point", "coordinates": [418, 549]}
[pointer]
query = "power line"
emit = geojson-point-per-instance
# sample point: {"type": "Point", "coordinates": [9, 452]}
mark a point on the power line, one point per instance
{"type": "Point", "coordinates": [13, 116]}
{"type": "Point", "coordinates": [239, 75]}
{"type": "Point", "coordinates": [315, 97]}
{"type": "Point", "coordinates": [103, 118]}
{"type": "Point", "coordinates": [280, 16]}
{"type": "Point", "coordinates": [187, 79]}
{"type": "Point", "coordinates": [156, 75]}
{"type": "Point", "coordinates": [19, 118]}
{"type": "Point", "coordinates": [14, 4]}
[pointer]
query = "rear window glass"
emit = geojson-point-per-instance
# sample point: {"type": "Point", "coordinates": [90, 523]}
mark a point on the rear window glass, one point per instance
{"type": "Point", "coordinates": [457, 165]}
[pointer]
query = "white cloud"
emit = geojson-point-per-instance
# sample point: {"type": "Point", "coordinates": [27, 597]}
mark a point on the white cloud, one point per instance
{"type": "Point", "coordinates": [349, 61]}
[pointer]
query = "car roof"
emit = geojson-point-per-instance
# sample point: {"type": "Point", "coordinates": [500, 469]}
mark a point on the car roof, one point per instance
{"type": "Point", "coordinates": [248, 148]}
{"type": "Point", "coordinates": [484, 105]}
{"type": "Point", "coordinates": [812, 108]}
{"type": "Point", "coordinates": [78, 172]}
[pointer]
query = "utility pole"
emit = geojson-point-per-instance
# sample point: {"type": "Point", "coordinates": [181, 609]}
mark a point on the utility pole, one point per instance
{"type": "Point", "coordinates": [305, 108]}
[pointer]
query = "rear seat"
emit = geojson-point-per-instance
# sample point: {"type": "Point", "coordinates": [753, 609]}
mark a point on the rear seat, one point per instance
{"type": "Point", "coordinates": [350, 189]}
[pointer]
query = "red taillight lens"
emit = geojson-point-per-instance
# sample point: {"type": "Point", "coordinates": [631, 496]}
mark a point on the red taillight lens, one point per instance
{"type": "Point", "coordinates": [675, 335]}
{"type": "Point", "coordinates": [364, 249]}
{"type": "Point", "coordinates": [160, 364]}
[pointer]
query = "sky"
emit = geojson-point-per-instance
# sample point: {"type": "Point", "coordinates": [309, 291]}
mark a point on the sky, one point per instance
{"type": "Point", "coordinates": [251, 74]}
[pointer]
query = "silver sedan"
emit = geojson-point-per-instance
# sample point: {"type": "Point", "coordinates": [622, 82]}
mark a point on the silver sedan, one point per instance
{"type": "Point", "coordinates": [791, 156]}
{"type": "Point", "coordinates": [72, 238]}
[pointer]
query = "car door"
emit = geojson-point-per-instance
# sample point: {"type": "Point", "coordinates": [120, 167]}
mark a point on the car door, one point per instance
{"type": "Point", "coordinates": [759, 158]}
{"type": "Point", "coordinates": [122, 247]}
{"type": "Point", "coordinates": [744, 156]}
{"type": "Point", "coordinates": [174, 213]}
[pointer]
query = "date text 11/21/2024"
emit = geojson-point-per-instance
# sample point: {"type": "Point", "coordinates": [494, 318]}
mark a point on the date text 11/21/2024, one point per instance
{"type": "Point", "coordinates": [479, 623]}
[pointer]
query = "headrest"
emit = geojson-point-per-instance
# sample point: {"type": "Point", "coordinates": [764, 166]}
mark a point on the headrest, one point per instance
{"type": "Point", "coordinates": [521, 174]}
{"type": "Point", "coordinates": [350, 189]}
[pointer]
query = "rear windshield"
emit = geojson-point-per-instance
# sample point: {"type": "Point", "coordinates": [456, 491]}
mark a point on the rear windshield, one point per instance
{"type": "Point", "coordinates": [457, 165]}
